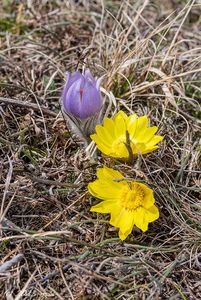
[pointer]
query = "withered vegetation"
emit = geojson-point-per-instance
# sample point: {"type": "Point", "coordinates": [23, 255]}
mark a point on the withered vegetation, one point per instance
{"type": "Point", "coordinates": [149, 54]}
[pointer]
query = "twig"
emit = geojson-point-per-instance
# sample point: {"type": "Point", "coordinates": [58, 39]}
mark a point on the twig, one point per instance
{"type": "Point", "coordinates": [28, 105]}
{"type": "Point", "coordinates": [20, 294]}
{"type": "Point", "coordinates": [53, 182]}
{"type": "Point", "coordinates": [77, 266]}
{"type": "Point", "coordinates": [8, 179]}
{"type": "Point", "coordinates": [5, 223]}
{"type": "Point", "coordinates": [4, 141]}
{"type": "Point", "coordinates": [13, 261]}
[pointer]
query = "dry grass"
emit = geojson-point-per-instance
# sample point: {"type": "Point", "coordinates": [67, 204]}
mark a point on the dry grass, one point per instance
{"type": "Point", "coordinates": [149, 54]}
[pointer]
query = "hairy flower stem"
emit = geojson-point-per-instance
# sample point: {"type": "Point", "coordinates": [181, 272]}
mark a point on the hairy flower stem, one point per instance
{"type": "Point", "coordinates": [128, 146]}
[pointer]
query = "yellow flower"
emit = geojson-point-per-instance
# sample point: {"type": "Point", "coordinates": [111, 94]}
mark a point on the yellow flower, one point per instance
{"type": "Point", "coordinates": [124, 134]}
{"type": "Point", "coordinates": [129, 202]}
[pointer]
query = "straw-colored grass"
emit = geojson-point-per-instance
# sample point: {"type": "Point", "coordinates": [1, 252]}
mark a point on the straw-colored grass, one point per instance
{"type": "Point", "coordinates": [148, 53]}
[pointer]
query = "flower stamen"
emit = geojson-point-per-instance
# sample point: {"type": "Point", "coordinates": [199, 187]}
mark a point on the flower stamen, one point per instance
{"type": "Point", "coordinates": [132, 196]}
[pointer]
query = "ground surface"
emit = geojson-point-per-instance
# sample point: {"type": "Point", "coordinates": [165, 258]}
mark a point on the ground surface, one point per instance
{"type": "Point", "coordinates": [149, 54]}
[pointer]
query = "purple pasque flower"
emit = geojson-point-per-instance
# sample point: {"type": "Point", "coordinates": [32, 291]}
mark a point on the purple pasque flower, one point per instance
{"type": "Point", "coordinates": [81, 95]}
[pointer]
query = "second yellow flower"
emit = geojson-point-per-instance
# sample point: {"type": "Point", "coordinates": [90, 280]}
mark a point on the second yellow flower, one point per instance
{"type": "Point", "coordinates": [123, 134]}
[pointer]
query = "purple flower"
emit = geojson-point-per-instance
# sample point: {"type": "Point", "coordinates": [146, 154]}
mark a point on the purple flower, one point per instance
{"type": "Point", "coordinates": [81, 96]}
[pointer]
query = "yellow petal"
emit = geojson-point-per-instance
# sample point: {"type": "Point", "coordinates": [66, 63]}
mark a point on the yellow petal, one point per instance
{"type": "Point", "coordinates": [99, 140]}
{"type": "Point", "coordinates": [154, 140]}
{"type": "Point", "coordinates": [150, 149]}
{"type": "Point", "coordinates": [121, 114]}
{"type": "Point", "coordinates": [124, 220]}
{"type": "Point", "coordinates": [116, 214]}
{"type": "Point", "coordinates": [148, 199]}
{"type": "Point", "coordinates": [138, 125]}
{"type": "Point", "coordinates": [142, 122]}
{"type": "Point", "coordinates": [146, 134]}
{"type": "Point", "coordinates": [138, 148]}
{"type": "Point", "coordinates": [104, 134]}
{"type": "Point", "coordinates": [140, 219]}
{"type": "Point", "coordinates": [152, 214]}
{"type": "Point", "coordinates": [130, 120]}
{"type": "Point", "coordinates": [123, 235]}
{"type": "Point", "coordinates": [103, 147]}
{"type": "Point", "coordinates": [103, 191]}
{"type": "Point", "coordinates": [104, 207]}
{"type": "Point", "coordinates": [132, 125]}
{"type": "Point", "coordinates": [144, 216]}
{"type": "Point", "coordinates": [105, 187]}
{"type": "Point", "coordinates": [109, 125]}
{"type": "Point", "coordinates": [108, 174]}
{"type": "Point", "coordinates": [120, 127]}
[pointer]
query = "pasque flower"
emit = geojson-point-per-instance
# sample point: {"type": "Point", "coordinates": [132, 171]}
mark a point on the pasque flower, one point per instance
{"type": "Point", "coordinates": [128, 202]}
{"type": "Point", "coordinates": [81, 102]}
{"type": "Point", "coordinates": [81, 95]}
{"type": "Point", "coordinates": [125, 136]}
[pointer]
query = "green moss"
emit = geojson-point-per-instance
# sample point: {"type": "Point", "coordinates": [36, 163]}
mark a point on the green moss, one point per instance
{"type": "Point", "coordinates": [6, 25]}
{"type": "Point", "coordinates": [10, 25]}
{"type": "Point", "coordinates": [3, 246]}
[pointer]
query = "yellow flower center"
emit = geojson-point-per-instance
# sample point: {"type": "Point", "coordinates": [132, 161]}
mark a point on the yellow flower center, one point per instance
{"type": "Point", "coordinates": [132, 196]}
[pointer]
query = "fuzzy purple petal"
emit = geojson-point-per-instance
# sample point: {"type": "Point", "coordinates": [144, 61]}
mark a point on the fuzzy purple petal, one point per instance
{"type": "Point", "coordinates": [91, 101]}
{"type": "Point", "coordinates": [72, 102]}
{"type": "Point", "coordinates": [81, 95]}
{"type": "Point", "coordinates": [71, 78]}
{"type": "Point", "coordinates": [88, 76]}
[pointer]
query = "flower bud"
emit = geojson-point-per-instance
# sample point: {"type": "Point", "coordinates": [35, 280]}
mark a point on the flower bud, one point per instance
{"type": "Point", "coordinates": [81, 95]}
{"type": "Point", "coordinates": [81, 101]}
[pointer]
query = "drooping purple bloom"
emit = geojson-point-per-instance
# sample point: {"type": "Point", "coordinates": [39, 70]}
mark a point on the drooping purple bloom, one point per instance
{"type": "Point", "coordinates": [81, 96]}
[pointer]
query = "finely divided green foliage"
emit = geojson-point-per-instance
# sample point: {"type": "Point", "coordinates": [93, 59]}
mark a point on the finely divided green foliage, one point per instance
{"type": "Point", "coordinates": [149, 54]}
